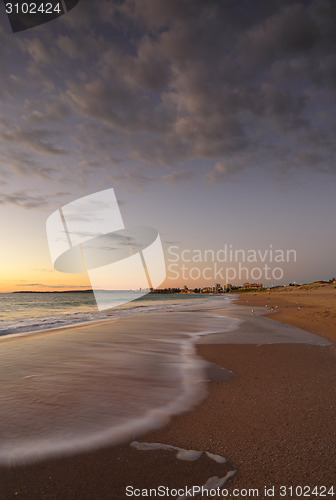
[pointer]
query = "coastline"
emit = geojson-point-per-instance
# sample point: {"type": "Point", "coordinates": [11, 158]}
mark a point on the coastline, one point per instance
{"type": "Point", "coordinates": [273, 421]}
{"type": "Point", "coordinates": [310, 307]}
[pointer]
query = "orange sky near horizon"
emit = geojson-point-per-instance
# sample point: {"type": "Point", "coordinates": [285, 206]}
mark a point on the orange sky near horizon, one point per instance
{"type": "Point", "coordinates": [44, 281]}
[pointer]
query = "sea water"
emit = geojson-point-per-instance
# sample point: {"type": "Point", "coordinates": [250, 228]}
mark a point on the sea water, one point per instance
{"type": "Point", "coordinates": [27, 312]}
{"type": "Point", "coordinates": [119, 374]}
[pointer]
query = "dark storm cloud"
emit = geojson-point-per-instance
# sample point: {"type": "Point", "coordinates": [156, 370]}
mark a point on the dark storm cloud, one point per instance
{"type": "Point", "coordinates": [209, 80]}
{"type": "Point", "coordinates": [116, 105]}
{"type": "Point", "coordinates": [238, 84]}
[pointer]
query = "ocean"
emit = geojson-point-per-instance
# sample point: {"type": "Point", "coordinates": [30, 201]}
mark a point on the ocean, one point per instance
{"type": "Point", "coordinates": [28, 312]}
{"type": "Point", "coordinates": [116, 375]}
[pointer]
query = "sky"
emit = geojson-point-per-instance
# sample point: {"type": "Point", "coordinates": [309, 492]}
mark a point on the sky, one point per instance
{"type": "Point", "coordinates": [213, 121]}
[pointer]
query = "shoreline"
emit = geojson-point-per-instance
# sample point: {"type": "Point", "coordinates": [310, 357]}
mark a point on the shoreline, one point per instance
{"type": "Point", "coordinates": [273, 422]}
{"type": "Point", "coordinates": [311, 308]}
{"type": "Point", "coordinates": [119, 312]}
{"type": "Point", "coordinates": [116, 379]}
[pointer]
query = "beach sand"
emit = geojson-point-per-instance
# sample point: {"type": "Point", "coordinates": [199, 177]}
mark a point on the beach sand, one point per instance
{"type": "Point", "coordinates": [274, 421]}
{"type": "Point", "coordinates": [310, 307]}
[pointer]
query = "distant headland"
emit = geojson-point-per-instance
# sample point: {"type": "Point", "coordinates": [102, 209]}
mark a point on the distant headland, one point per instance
{"type": "Point", "coordinates": [53, 291]}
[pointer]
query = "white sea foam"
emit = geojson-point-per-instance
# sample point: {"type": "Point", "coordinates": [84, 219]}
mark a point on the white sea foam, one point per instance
{"type": "Point", "coordinates": [212, 483]}
{"type": "Point", "coordinates": [181, 453]}
{"type": "Point", "coordinates": [81, 388]}
{"type": "Point", "coordinates": [29, 313]}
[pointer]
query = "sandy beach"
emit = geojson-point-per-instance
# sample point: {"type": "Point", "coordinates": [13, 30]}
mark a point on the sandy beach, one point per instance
{"type": "Point", "coordinates": [273, 421]}
{"type": "Point", "coordinates": [310, 307]}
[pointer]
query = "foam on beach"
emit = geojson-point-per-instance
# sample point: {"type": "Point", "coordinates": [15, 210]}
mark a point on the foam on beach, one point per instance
{"type": "Point", "coordinates": [212, 483]}
{"type": "Point", "coordinates": [181, 453]}
{"type": "Point", "coordinates": [21, 314]}
{"type": "Point", "coordinates": [81, 388]}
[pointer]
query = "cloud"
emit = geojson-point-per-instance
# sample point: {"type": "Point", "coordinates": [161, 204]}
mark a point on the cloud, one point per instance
{"type": "Point", "coordinates": [23, 163]}
{"type": "Point", "coordinates": [289, 31]}
{"type": "Point", "coordinates": [114, 103]}
{"type": "Point", "coordinates": [166, 83]}
{"type": "Point", "coordinates": [24, 200]}
{"type": "Point", "coordinates": [178, 176]}
{"type": "Point", "coordinates": [219, 172]}
{"type": "Point", "coordinates": [140, 179]}
{"type": "Point", "coordinates": [38, 51]}
{"type": "Point", "coordinates": [33, 139]}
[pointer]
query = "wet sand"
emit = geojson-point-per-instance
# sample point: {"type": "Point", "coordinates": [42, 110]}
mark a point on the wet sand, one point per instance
{"type": "Point", "coordinates": [274, 421]}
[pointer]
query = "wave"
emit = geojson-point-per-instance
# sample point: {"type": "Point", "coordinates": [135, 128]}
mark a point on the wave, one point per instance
{"type": "Point", "coordinates": [88, 387]}
{"type": "Point", "coordinates": [28, 325]}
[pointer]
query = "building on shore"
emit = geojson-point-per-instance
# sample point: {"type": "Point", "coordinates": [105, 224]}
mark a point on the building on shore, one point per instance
{"type": "Point", "coordinates": [252, 285]}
